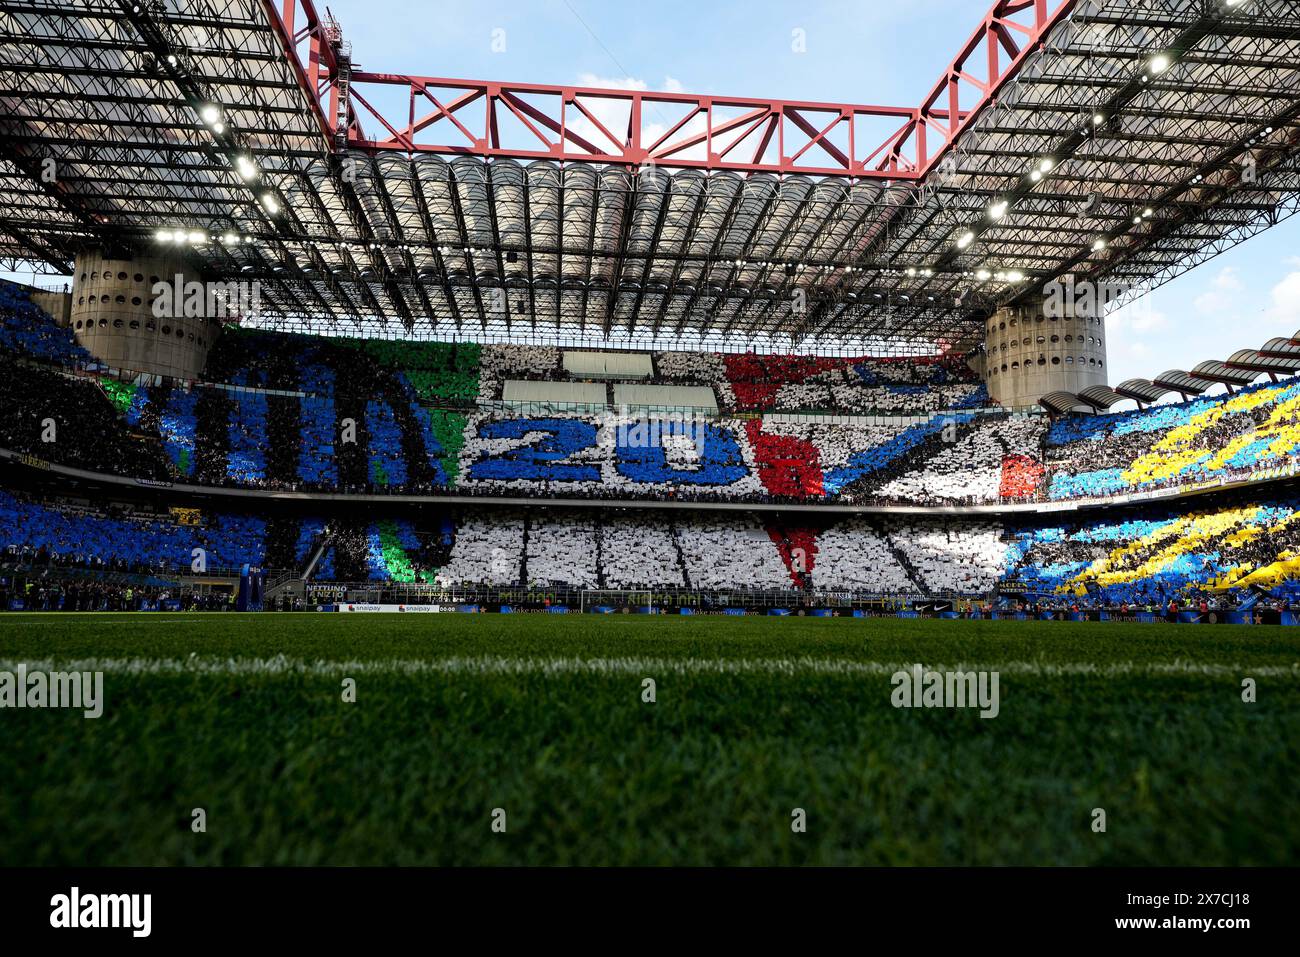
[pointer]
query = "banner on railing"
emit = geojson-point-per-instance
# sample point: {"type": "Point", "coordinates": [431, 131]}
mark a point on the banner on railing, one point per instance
{"type": "Point", "coordinates": [358, 607]}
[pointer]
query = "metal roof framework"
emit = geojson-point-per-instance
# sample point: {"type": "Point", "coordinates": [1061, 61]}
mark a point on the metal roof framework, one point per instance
{"type": "Point", "coordinates": [740, 134]}
{"type": "Point", "coordinates": [1256, 362]}
{"type": "Point", "coordinates": [1288, 349]}
{"type": "Point", "coordinates": [1214, 371]}
{"type": "Point", "coordinates": [1058, 403]}
{"type": "Point", "coordinates": [1184, 383]}
{"type": "Point", "coordinates": [1140, 391]}
{"type": "Point", "coordinates": [1100, 397]}
{"type": "Point", "coordinates": [827, 233]}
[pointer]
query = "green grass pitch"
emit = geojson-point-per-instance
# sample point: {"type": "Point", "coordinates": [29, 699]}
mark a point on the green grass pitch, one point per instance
{"type": "Point", "coordinates": [542, 716]}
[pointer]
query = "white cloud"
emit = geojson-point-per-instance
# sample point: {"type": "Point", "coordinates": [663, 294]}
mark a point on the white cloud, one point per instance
{"type": "Point", "coordinates": [1227, 279]}
{"type": "Point", "coordinates": [1284, 303]}
{"type": "Point", "coordinates": [613, 115]}
{"type": "Point", "coordinates": [1220, 298]}
{"type": "Point", "coordinates": [1136, 318]}
{"type": "Point", "coordinates": [612, 83]}
{"type": "Point", "coordinates": [669, 85]}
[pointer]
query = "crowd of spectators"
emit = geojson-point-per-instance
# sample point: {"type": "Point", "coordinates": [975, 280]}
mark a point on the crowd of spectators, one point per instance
{"type": "Point", "coordinates": [854, 555]}
{"type": "Point", "coordinates": [76, 555]}
{"type": "Point", "coordinates": [54, 594]}
{"type": "Point", "coordinates": [393, 445]}
{"type": "Point", "coordinates": [109, 538]}
{"type": "Point", "coordinates": [749, 382]}
{"type": "Point", "coordinates": [315, 414]}
{"type": "Point", "coordinates": [1165, 554]}
{"type": "Point", "coordinates": [28, 332]}
{"type": "Point", "coordinates": [953, 558]}
{"type": "Point", "coordinates": [1211, 437]}
{"type": "Point", "coordinates": [721, 551]}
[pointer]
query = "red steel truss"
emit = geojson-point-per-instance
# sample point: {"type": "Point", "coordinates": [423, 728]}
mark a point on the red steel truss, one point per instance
{"type": "Point", "coordinates": [706, 132]}
{"type": "Point", "coordinates": [314, 45]}
{"type": "Point", "coordinates": [635, 128]}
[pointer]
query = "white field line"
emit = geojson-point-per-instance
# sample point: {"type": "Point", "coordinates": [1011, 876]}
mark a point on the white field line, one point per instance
{"type": "Point", "coordinates": [649, 667]}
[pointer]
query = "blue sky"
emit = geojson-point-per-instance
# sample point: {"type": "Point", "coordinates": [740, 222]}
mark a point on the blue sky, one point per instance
{"type": "Point", "coordinates": [867, 51]}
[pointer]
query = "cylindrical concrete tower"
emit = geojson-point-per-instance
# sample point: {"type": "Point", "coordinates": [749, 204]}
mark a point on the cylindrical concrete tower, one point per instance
{"type": "Point", "coordinates": [1029, 354]}
{"type": "Point", "coordinates": [131, 315]}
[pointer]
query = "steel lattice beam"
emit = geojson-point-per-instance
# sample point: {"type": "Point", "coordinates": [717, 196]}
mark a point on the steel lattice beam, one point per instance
{"type": "Point", "coordinates": [600, 125]}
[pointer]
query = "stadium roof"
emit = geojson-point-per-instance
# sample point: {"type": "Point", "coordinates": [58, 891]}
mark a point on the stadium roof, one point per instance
{"type": "Point", "coordinates": [1282, 348]}
{"type": "Point", "coordinates": [1257, 362]}
{"type": "Point", "coordinates": [1140, 390]}
{"type": "Point", "coordinates": [1100, 397]}
{"type": "Point", "coordinates": [1278, 357]}
{"type": "Point", "coordinates": [1061, 402]}
{"type": "Point", "coordinates": [1118, 135]}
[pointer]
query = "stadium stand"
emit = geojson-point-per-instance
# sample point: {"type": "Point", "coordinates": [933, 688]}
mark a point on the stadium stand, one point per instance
{"type": "Point", "coordinates": [771, 260]}
{"type": "Point", "coordinates": [952, 559]}
{"type": "Point", "coordinates": [489, 550]}
{"type": "Point", "coordinates": [562, 549]}
{"type": "Point", "coordinates": [722, 552]}
{"type": "Point", "coordinates": [1162, 554]}
{"type": "Point", "coordinates": [1203, 438]}
{"type": "Point", "coordinates": [1221, 553]}
{"type": "Point", "coordinates": [428, 418]}
{"type": "Point", "coordinates": [853, 554]}
{"type": "Point", "coordinates": [87, 537]}
{"type": "Point", "coordinates": [27, 331]}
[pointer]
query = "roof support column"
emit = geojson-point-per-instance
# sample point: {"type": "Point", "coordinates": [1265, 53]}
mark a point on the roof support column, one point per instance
{"type": "Point", "coordinates": [1032, 350]}
{"type": "Point", "coordinates": [150, 313]}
